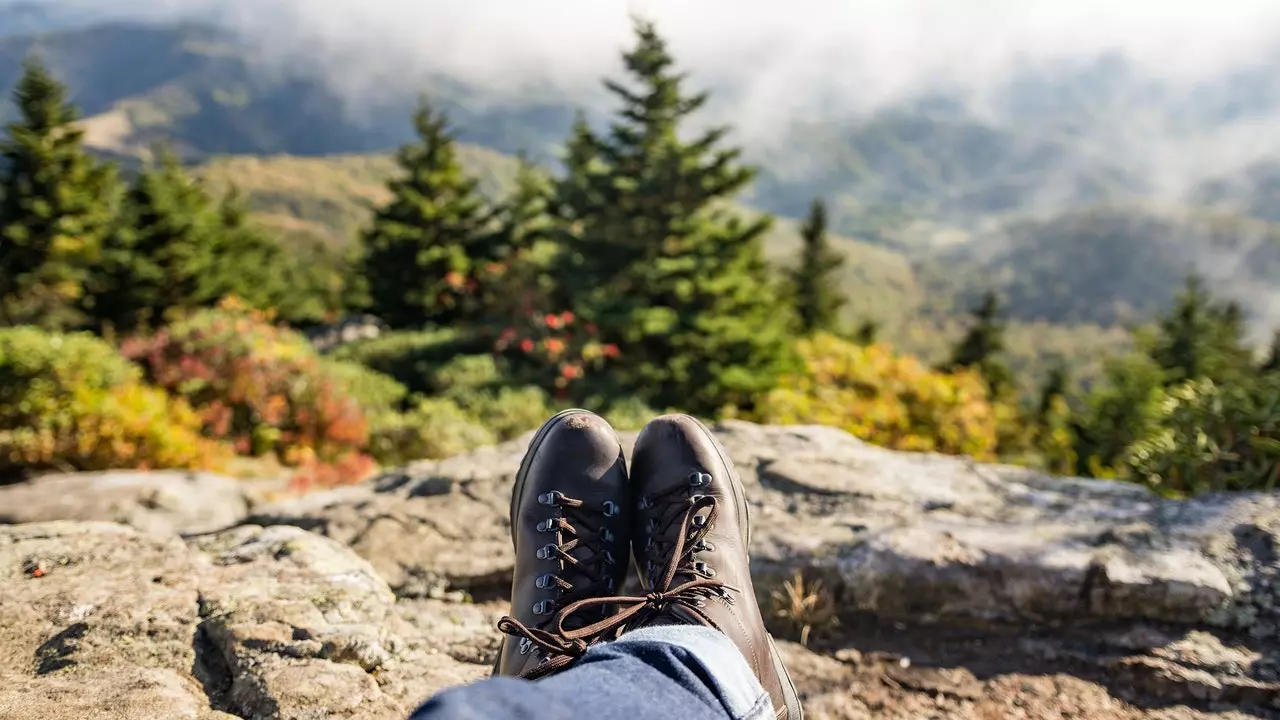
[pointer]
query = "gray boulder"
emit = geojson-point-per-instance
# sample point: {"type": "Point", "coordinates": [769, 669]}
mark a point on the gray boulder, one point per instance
{"type": "Point", "coordinates": [159, 502]}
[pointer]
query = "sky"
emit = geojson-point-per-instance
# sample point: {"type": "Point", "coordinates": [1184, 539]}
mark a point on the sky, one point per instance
{"type": "Point", "coordinates": [859, 53]}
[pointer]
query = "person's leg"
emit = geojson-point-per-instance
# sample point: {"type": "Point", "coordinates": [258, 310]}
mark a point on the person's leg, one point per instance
{"type": "Point", "coordinates": [691, 673]}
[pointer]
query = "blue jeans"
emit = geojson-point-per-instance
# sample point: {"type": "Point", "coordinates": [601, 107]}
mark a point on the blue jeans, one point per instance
{"type": "Point", "coordinates": [655, 673]}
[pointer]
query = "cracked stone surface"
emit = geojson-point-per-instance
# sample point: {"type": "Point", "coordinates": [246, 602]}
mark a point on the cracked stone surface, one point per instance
{"type": "Point", "coordinates": [963, 591]}
{"type": "Point", "coordinates": [252, 622]}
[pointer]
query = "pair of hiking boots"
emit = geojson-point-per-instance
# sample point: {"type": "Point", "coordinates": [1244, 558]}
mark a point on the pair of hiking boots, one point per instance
{"type": "Point", "coordinates": [577, 517]}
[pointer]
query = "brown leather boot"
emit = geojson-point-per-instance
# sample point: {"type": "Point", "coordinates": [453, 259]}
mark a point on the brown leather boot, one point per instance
{"type": "Point", "coordinates": [570, 522]}
{"type": "Point", "coordinates": [691, 531]}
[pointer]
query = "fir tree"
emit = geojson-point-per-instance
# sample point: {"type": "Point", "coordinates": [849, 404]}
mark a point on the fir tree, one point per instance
{"type": "Point", "coordinates": [982, 345]}
{"type": "Point", "coordinates": [1054, 389]}
{"type": "Point", "coordinates": [56, 205]}
{"type": "Point", "coordinates": [653, 258]}
{"type": "Point", "coordinates": [244, 262]}
{"type": "Point", "coordinates": [818, 298]}
{"type": "Point", "coordinates": [1202, 338]}
{"type": "Point", "coordinates": [867, 332]}
{"type": "Point", "coordinates": [422, 248]}
{"type": "Point", "coordinates": [525, 217]}
{"type": "Point", "coordinates": [1272, 362]}
{"type": "Point", "coordinates": [155, 258]}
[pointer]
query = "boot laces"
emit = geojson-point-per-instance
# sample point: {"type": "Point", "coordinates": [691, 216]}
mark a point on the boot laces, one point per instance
{"type": "Point", "coordinates": [577, 536]}
{"type": "Point", "coordinates": [682, 504]}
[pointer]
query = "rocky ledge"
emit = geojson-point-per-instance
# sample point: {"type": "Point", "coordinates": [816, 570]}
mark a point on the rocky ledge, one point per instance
{"type": "Point", "coordinates": [961, 590]}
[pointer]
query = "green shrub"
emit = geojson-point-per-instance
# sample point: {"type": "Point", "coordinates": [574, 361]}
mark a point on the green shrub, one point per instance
{"type": "Point", "coordinates": [1210, 437]}
{"type": "Point", "coordinates": [257, 385]}
{"type": "Point", "coordinates": [509, 412]}
{"type": "Point", "coordinates": [376, 393]}
{"type": "Point", "coordinates": [629, 414]}
{"type": "Point", "coordinates": [411, 357]}
{"type": "Point", "coordinates": [433, 428]}
{"type": "Point", "coordinates": [72, 402]}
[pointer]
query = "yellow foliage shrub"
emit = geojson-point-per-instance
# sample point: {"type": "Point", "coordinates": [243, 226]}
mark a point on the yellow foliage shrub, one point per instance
{"type": "Point", "coordinates": [71, 402]}
{"type": "Point", "coordinates": [885, 398]}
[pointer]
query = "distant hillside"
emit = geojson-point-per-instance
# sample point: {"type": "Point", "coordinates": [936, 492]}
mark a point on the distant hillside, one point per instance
{"type": "Point", "coordinates": [1112, 264]}
{"type": "Point", "coordinates": [330, 198]}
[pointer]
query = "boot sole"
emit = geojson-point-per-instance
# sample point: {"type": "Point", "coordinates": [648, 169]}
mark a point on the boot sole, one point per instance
{"type": "Point", "coordinates": [790, 697]}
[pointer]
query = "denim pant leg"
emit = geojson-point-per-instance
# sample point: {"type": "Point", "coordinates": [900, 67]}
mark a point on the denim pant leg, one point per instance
{"type": "Point", "coordinates": [672, 671]}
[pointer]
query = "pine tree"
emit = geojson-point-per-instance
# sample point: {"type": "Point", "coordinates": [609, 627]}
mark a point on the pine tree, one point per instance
{"type": "Point", "coordinates": [1202, 338]}
{"type": "Point", "coordinates": [422, 248]}
{"type": "Point", "coordinates": [818, 298]}
{"type": "Point", "coordinates": [154, 258]}
{"type": "Point", "coordinates": [517, 280]}
{"type": "Point", "coordinates": [1054, 389]}
{"type": "Point", "coordinates": [244, 262]}
{"type": "Point", "coordinates": [981, 346]}
{"type": "Point", "coordinates": [654, 259]}
{"type": "Point", "coordinates": [56, 204]}
{"type": "Point", "coordinates": [1272, 362]}
{"type": "Point", "coordinates": [867, 332]}
{"type": "Point", "coordinates": [525, 217]}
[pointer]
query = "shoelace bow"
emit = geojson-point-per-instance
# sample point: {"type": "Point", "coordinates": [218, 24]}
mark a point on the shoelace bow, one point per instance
{"type": "Point", "coordinates": [590, 576]}
{"type": "Point", "coordinates": [662, 598]}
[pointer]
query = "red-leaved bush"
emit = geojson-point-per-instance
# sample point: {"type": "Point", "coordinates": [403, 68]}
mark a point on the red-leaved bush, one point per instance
{"type": "Point", "coordinates": [262, 388]}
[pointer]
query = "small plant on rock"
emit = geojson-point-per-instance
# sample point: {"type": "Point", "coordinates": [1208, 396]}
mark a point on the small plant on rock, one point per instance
{"type": "Point", "coordinates": [803, 605]}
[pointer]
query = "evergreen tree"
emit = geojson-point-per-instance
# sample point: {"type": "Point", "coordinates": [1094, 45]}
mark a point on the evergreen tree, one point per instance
{"type": "Point", "coordinates": [652, 256]}
{"type": "Point", "coordinates": [1201, 338]}
{"type": "Point", "coordinates": [56, 204]}
{"type": "Point", "coordinates": [422, 249]}
{"type": "Point", "coordinates": [867, 332]}
{"type": "Point", "coordinates": [1272, 362]}
{"type": "Point", "coordinates": [517, 281]}
{"type": "Point", "coordinates": [526, 218]}
{"type": "Point", "coordinates": [1055, 388]}
{"type": "Point", "coordinates": [1120, 411]}
{"type": "Point", "coordinates": [818, 298]}
{"type": "Point", "coordinates": [244, 262]}
{"type": "Point", "coordinates": [155, 258]}
{"type": "Point", "coordinates": [981, 346]}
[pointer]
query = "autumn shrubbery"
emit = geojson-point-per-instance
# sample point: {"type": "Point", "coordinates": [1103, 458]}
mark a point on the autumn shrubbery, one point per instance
{"type": "Point", "coordinates": [72, 402]}
{"type": "Point", "coordinates": [885, 398]}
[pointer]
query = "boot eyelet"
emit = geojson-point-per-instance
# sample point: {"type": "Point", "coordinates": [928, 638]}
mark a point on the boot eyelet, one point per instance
{"type": "Point", "coordinates": [696, 498]}
{"type": "Point", "coordinates": [608, 584]}
{"type": "Point", "coordinates": [552, 498]}
{"type": "Point", "coordinates": [543, 607]}
{"type": "Point", "coordinates": [645, 503]}
{"type": "Point", "coordinates": [545, 582]}
{"type": "Point", "coordinates": [608, 558]}
{"type": "Point", "coordinates": [525, 646]}
{"type": "Point", "coordinates": [610, 508]}
{"type": "Point", "coordinates": [652, 526]}
{"type": "Point", "coordinates": [606, 535]}
{"type": "Point", "coordinates": [698, 479]}
{"type": "Point", "coordinates": [648, 544]}
{"type": "Point", "coordinates": [547, 525]}
{"type": "Point", "coordinates": [699, 521]}
{"type": "Point", "coordinates": [546, 552]}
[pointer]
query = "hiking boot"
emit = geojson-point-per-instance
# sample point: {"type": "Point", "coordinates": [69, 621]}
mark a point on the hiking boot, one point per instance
{"type": "Point", "coordinates": [691, 529]}
{"type": "Point", "coordinates": [570, 522]}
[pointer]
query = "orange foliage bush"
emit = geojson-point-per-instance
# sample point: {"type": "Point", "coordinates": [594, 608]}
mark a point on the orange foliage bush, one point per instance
{"type": "Point", "coordinates": [260, 387]}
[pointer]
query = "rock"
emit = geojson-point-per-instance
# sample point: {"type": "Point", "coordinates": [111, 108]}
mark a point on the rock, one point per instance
{"type": "Point", "coordinates": [253, 622]}
{"type": "Point", "coordinates": [896, 534]}
{"type": "Point", "coordinates": [159, 502]}
{"type": "Point", "coordinates": [961, 590]}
